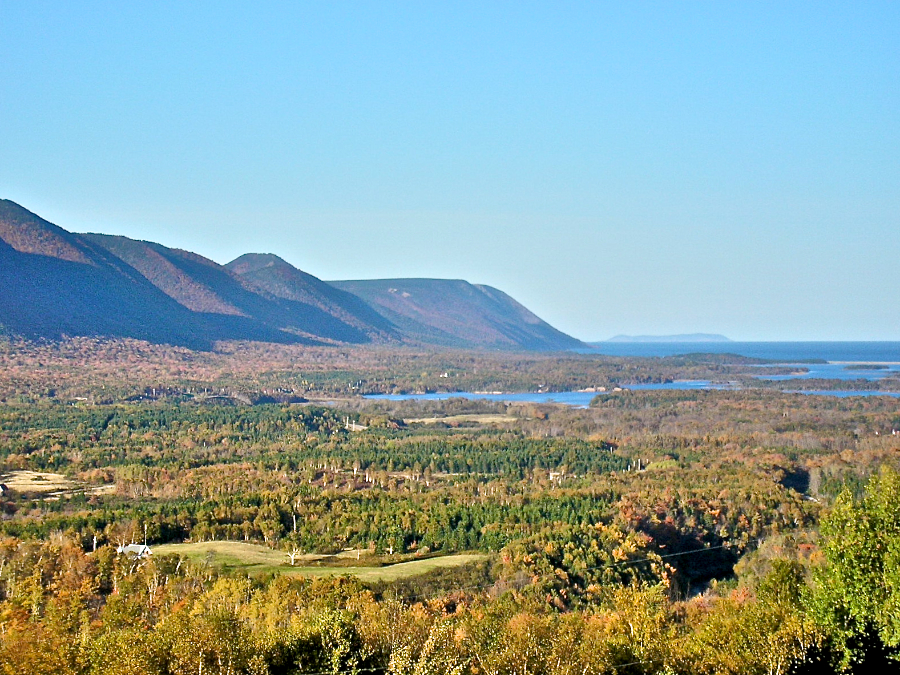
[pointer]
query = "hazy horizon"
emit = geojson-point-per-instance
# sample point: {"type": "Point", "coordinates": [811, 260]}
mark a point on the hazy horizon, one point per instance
{"type": "Point", "coordinates": [633, 169]}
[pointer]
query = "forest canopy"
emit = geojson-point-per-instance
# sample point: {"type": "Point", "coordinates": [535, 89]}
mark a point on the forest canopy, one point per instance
{"type": "Point", "coordinates": [295, 530]}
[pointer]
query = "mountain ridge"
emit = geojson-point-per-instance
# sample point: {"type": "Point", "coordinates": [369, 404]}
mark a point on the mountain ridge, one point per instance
{"type": "Point", "coordinates": [456, 313]}
{"type": "Point", "coordinates": [55, 283]}
{"type": "Point", "coordinates": [273, 275]}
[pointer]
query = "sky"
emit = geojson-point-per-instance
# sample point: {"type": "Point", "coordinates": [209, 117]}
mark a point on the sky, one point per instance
{"type": "Point", "coordinates": [621, 167]}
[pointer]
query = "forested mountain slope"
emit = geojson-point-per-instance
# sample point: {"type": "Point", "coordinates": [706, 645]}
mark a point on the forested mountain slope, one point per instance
{"type": "Point", "coordinates": [456, 313]}
{"type": "Point", "coordinates": [271, 274]}
{"type": "Point", "coordinates": [55, 283]}
{"type": "Point", "coordinates": [221, 295]}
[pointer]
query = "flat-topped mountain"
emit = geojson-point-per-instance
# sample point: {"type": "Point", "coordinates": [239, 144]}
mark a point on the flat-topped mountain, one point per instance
{"type": "Point", "coordinates": [455, 313]}
{"type": "Point", "coordinates": [55, 283]}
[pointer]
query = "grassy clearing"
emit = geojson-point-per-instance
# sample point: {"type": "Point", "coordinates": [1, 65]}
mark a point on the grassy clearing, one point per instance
{"type": "Point", "coordinates": [456, 419]}
{"type": "Point", "coordinates": [51, 485]}
{"type": "Point", "coordinates": [36, 481]}
{"type": "Point", "coordinates": [413, 568]}
{"type": "Point", "coordinates": [229, 554]}
{"type": "Point", "coordinates": [255, 559]}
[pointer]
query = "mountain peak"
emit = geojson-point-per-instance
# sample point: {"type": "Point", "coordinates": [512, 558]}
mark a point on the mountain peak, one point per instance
{"type": "Point", "coordinates": [253, 262]}
{"type": "Point", "coordinates": [29, 233]}
{"type": "Point", "coordinates": [55, 283]}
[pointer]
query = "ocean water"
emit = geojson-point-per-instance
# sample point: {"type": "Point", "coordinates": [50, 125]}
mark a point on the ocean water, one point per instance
{"type": "Point", "coordinates": [582, 399]}
{"type": "Point", "coordinates": [835, 371]}
{"type": "Point", "coordinates": [820, 360]}
{"type": "Point", "coordinates": [784, 352]}
{"type": "Point", "coordinates": [578, 399]}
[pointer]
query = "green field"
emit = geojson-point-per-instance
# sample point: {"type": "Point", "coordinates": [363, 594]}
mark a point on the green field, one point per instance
{"type": "Point", "coordinates": [256, 559]}
{"type": "Point", "coordinates": [467, 417]}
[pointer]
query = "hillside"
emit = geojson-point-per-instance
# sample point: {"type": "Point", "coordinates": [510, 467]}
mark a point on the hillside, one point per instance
{"type": "Point", "coordinates": [456, 313]}
{"type": "Point", "coordinates": [328, 309]}
{"type": "Point", "coordinates": [224, 297]}
{"type": "Point", "coordinates": [55, 283]}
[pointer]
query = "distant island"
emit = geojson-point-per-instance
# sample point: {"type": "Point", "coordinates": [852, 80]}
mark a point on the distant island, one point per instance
{"type": "Point", "coordinates": [688, 337]}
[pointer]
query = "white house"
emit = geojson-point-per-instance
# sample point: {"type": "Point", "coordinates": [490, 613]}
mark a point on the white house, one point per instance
{"type": "Point", "coordinates": [137, 550]}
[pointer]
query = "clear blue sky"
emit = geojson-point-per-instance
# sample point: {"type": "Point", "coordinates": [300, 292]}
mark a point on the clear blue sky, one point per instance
{"type": "Point", "coordinates": [618, 167]}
